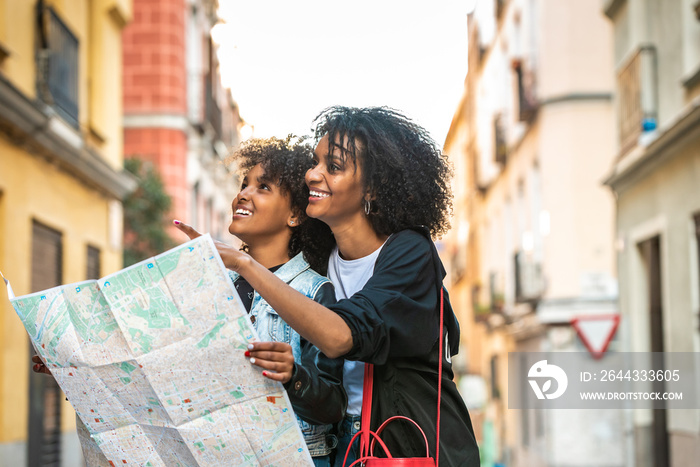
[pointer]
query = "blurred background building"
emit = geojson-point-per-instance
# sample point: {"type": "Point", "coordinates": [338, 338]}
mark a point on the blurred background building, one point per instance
{"type": "Point", "coordinates": [655, 177]}
{"type": "Point", "coordinates": [177, 115]}
{"type": "Point", "coordinates": [532, 241]}
{"type": "Point", "coordinates": [61, 191]}
{"type": "Point", "coordinates": [577, 160]}
{"type": "Point", "coordinates": [576, 147]}
{"type": "Point", "coordinates": [77, 98]}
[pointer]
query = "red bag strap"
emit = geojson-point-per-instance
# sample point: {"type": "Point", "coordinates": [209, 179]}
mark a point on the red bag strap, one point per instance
{"type": "Point", "coordinates": [442, 350]}
{"type": "Point", "coordinates": [366, 416]}
{"type": "Point", "coordinates": [367, 395]}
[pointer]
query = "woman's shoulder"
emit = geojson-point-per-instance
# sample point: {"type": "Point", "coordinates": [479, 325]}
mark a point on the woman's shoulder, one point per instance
{"type": "Point", "coordinates": [315, 277]}
{"type": "Point", "coordinates": [417, 239]}
{"type": "Point", "coordinates": [311, 275]}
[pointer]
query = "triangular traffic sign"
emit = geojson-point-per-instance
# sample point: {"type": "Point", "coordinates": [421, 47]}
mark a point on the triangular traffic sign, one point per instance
{"type": "Point", "coordinates": [596, 331]}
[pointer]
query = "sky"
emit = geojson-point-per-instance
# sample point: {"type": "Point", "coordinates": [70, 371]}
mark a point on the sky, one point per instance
{"type": "Point", "coordinates": [286, 60]}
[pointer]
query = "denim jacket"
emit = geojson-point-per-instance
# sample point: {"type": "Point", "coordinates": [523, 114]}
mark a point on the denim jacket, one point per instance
{"type": "Point", "coordinates": [315, 389]}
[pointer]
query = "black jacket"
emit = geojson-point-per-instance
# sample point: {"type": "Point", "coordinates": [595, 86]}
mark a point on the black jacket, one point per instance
{"type": "Point", "coordinates": [316, 389]}
{"type": "Point", "coordinates": [394, 322]}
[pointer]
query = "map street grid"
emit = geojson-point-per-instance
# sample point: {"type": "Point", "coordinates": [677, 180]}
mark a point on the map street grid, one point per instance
{"type": "Point", "coordinates": [151, 358]}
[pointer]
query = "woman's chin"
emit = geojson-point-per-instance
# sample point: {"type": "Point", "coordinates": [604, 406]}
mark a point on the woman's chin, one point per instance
{"type": "Point", "coordinates": [236, 230]}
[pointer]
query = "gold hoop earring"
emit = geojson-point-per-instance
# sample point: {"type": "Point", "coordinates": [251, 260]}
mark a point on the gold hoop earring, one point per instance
{"type": "Point", "coordinates": [368, 207]}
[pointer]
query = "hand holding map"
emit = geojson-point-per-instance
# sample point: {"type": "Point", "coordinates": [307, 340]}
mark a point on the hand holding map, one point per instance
{"type": "Point", "coordinates": [151, 358]}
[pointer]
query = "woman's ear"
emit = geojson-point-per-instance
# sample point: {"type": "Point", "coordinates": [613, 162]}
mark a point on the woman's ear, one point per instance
{"type": "Point", "coordinates": [293, 220]}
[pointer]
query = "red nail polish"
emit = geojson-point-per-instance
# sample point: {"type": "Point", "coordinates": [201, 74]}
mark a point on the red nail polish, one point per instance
{"type": "Point", "coordinates": [247, 353]}
{"type": "Point", "coordinates": [264, 373]}
{"type": "Point", "coordinates": [177, 222]}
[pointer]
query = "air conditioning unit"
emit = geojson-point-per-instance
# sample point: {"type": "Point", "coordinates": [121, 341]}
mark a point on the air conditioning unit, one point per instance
{"type": "Point", "coordinates": [529, 279]}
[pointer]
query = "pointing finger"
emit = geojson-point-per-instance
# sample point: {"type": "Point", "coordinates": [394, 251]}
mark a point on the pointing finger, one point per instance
{"type": "Point", "coordinates": [187, 229]}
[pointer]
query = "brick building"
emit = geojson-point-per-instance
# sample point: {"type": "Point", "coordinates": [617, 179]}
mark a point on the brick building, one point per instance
{"type": "Point", "coordinates": [532, 244]}
{"type": "Point", "coordinates": [61, 192]}
{"type": "Point", "coordinates": [176, 113]}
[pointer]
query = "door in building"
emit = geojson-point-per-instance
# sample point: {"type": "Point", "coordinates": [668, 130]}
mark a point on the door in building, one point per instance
{"type": "Point", "coordinates": [44, 437]}
{"type": "Point", "coordinates": [651, 254]}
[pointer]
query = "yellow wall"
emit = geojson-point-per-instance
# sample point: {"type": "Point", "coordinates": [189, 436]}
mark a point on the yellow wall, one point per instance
{"type": "Point", "coordinates": [33, 187]}
{"type": "Point", "coordinates": [33, 190]}
{"type": "Point", "coordinates": [97, 24]}
{"type": "Point", "coordinates": [17, 35]}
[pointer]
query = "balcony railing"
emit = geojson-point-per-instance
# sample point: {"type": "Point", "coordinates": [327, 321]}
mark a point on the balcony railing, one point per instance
{"type": "Point", "coordinates": [58, 70]}
{"type": "Point", "coordinates": [636, 83]}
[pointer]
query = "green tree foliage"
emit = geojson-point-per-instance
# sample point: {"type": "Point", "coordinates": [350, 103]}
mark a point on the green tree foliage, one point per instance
{"type": "Point", "coordinates": [145, 214]}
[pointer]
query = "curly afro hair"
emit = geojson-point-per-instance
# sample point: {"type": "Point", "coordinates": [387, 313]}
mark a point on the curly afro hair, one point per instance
{"type": "Point", "coordinates": [285, 162]}
{"type": "Point", "coordinates": [402, 167]}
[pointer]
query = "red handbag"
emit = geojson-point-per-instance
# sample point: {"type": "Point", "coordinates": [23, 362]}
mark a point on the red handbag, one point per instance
{"type": "Point", "coordinates": [367, 457]}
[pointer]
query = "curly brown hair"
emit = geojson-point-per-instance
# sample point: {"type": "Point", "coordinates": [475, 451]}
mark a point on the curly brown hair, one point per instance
{"type": "Point", "coordinates": [285, 162]}
{"type": "Point", "coordinates": [402, 167]}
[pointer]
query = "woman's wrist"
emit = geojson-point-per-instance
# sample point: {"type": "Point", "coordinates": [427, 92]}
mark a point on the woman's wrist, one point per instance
{"type": "Point", "coordinates": [241, 262]}
{"type": "Point", "coordinates": [234, 260]}
{"type": "Point", "coordinates": [288, 383]}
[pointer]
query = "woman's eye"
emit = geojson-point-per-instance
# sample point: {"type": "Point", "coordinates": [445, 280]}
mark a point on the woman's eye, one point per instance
{"type": "Point", "coordinates": [334, 166]}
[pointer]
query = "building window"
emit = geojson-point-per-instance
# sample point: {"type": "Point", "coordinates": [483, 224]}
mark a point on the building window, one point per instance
{"type": "Point", "coordinates": [44, 437]}
{"type": "Point", "coordinates": [208, 215]}
{"type": "Point", "coordinates": [528, 277]}
{"type": "Point", "coordinates": [636, 85]}
{"type": "Point", "coordinates": [211, 85]}
{"type": "Point", "coordinates": [495, 388]}
{"type": "Point", "coordinates": [57, 77]}
{"type": "Point", "coordinates": [500, 147]}
{"type": "Point", "coordinates": [194, 208]}
{"type": "Point", "coordinates": [500, 7]}
{"type": "Point", "coordinates": [527, 102]}
{"type": "Point", "coordinates": [93, 263]}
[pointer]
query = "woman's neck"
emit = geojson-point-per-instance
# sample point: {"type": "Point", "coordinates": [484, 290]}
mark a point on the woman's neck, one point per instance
{"type": "Point", "coordinates": [357, 241]}
{"type": "Point", "coordinates": [269, 253]}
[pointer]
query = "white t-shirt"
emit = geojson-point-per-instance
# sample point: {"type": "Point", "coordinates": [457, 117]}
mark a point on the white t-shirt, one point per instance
{"type": "Point", "coordinates": [349, 277]}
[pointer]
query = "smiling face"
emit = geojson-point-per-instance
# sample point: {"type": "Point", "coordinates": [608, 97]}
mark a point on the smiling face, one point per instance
{"type": "Point", "coordinates": [335, 184]}
{"type": "Point", "coordinates": [262, 211]}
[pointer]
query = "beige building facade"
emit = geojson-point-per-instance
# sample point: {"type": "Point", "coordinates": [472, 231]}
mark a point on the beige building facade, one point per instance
{"type": "Point", "coordinates": [61, 191]}
{"type": "Point", "coordinates": [656, 180]}
{"type": "Point", "coordinates": [532, 244]}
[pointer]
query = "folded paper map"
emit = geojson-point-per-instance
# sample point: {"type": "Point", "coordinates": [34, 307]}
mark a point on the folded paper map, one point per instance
{"type": "Point", "coordinates": [151, 358]}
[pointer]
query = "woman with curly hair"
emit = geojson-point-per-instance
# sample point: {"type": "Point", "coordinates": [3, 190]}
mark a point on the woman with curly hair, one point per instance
{"type": "Point", "coordinates": [269, 218]}
{"type": "Point", "coordinates": [382, 186]}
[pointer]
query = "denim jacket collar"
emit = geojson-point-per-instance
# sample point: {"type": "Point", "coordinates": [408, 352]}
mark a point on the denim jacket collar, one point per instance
{"type": "Point", "coordinates": [287, 272]}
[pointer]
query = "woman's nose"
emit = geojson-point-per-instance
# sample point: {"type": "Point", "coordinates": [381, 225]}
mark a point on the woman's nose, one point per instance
{"type": "Point", "coordinates": [313, 174]}
{"type": "Point", "coordinates": [244, 194]}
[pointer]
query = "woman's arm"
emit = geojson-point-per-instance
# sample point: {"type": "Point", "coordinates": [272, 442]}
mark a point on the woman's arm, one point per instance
{"type": "Point", "coordinates": [316, 388]}
{"type": "Point", "coordinates": [314, 385]}
{"type": "Point", "coordinates": [396, 313]}
{"type": "Point", "coordinates": [313, 321]}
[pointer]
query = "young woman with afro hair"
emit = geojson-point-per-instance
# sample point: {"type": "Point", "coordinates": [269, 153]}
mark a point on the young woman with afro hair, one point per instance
{"type": "Point", "coordinates": [268, 216]}
{"type": "Point", "coordinates": [383, 187]}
